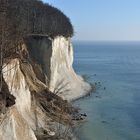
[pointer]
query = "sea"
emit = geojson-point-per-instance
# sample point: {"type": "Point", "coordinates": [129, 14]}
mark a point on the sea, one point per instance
{"type": "Point", "coordinates": [113, 110]}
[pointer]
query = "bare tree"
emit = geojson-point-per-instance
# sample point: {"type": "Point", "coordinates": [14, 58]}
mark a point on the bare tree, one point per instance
{"type": "Point", "coordinates": [3, 11]}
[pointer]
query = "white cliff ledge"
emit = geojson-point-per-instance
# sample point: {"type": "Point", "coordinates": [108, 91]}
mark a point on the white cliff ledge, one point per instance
{"type": "Point", "coordinates": [70, 86]}
{"type": "Point", "coordinates": [57, 59]}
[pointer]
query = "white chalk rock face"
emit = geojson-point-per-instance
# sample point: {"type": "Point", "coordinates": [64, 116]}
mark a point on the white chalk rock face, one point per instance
{"type": "Point", "coordinates": [17, 86]}
{"type": "Point", "coordinates": [16, 124]}
{"type": "Point", "coordinates": [56, 58]}
{"type": "Point", "coordinates": [63, 79]}
{"type": "Point", "coordinates": [25, 117]}
{"type": "Point", "coordinates": [14, 127]}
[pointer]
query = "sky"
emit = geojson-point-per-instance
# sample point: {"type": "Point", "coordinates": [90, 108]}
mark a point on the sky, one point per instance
{"type": "Point", "coordinates": [102, 20]}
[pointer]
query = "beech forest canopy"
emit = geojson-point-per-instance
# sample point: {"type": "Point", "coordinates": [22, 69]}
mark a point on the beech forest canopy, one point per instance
{"type": "Point", "coordinates": [19, 18]}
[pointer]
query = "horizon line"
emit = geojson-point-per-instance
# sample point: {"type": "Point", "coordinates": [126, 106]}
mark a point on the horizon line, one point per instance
{"type": "Point", "coordinates": [105, 40]}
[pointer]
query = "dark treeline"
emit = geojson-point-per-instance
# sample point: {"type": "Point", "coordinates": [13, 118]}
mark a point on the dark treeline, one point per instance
{"type": "Point", "coordinates": [19, 18]}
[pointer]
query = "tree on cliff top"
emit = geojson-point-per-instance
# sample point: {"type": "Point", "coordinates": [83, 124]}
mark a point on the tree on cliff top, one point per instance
{"type": "Point", "coordinates": [27, 17]}
{"type": "Point", "coordinates": [33, 16]}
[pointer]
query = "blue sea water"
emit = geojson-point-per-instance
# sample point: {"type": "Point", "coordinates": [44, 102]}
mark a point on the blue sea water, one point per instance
{"type": "Point", "coordinates": [114, 109]}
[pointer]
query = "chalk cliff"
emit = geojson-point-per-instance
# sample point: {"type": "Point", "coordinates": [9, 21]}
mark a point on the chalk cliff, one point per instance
{"type": "Point", "coordinates": [37, 80]}
{"type": "Point", "coordinates": [56, 57]}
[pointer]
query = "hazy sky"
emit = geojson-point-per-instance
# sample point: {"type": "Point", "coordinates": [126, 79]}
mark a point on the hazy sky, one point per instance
{"type": "Point", "coordinates": [102, 19]}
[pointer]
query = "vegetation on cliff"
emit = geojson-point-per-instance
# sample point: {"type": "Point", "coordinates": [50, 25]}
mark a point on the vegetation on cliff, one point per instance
{"type": "Point", "coordinates": [24, 17]}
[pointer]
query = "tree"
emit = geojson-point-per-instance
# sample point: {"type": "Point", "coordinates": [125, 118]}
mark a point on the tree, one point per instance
{"type": "Point", "coordinates": [3, 26]}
